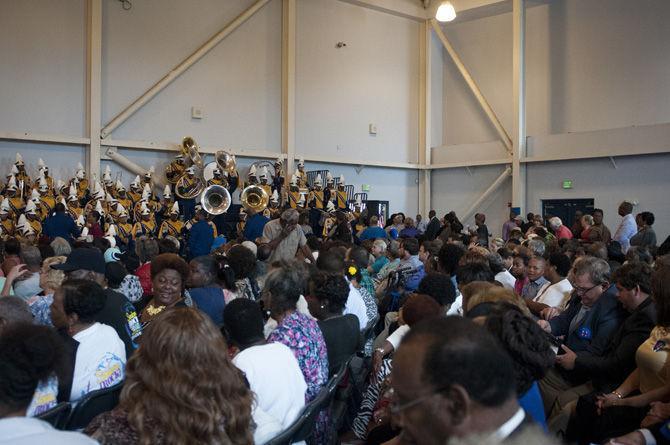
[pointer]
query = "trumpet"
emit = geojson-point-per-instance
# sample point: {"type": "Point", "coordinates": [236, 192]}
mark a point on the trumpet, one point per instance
{"type": "Point", "coordinates": [254, 199]}
{"type": "Point", "coordinates": [215, 199]}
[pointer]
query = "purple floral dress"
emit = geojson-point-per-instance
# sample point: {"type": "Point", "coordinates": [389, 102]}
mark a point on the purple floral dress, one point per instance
{"type": "Point", "coordinates": [303, 336]}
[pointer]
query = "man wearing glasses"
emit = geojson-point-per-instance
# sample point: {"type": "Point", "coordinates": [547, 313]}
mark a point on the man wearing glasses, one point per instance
{"type": "Point", "coordinates": [589, 320]}
{"type": "Point", "coordinates": [452, 380]}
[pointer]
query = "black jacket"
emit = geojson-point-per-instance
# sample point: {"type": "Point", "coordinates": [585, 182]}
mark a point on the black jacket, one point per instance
{"type": "Point", "coordinates": [618, 360]}
{"type": "Point", "coordinates": [432, 229]}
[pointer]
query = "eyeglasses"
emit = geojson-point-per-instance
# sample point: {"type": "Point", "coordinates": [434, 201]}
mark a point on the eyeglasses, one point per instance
{"type": "Point", "coordinates": [397, 409]}
{"type": "Point", "coordinates": [582, 291]}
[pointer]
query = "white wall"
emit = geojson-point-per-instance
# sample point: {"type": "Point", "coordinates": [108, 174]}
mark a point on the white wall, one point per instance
{"type": "Point", "coordinates": [374, 79]}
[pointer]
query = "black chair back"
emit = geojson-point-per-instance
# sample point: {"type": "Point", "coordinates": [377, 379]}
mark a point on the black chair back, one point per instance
{"type": "Point", "coordinates": [56, 416]}
{"type": "Point", "coordinates": [92, 404]}
{"type": "Point", "coordinates": [303, 427]}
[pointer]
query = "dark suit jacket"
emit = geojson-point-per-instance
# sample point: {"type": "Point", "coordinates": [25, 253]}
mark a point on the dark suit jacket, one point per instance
{"type": "Point", "coordinates": [618, 361]}
{"type": "Point", "coordinates": [595, 330]}
{"type": "Point", "coordinates": [433, 228]}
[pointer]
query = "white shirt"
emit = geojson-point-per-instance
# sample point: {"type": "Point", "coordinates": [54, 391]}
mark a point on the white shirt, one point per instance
{"type": "Point", "coordinates": [29, 431]}
{"type": "Point", "coordinates": [506, 279]}
{"type": "Point", "coordinates": [276, 379]}
{"type": "Point", "coordinates": [507, 428]}
{"type": "Point", "coordinates": [422, 226]}
{"type": "Point", "coordinates": [100, 361]}
{"type": "Point", "coordinates": [355, 305]}
{"type": "Point", "coordinates": [456, 307]}
{"type": "Point", "coordinates": [398, 335]}
{"type": "Point", "coordinates": [555, 295]}
{"type": "Point", "coordinates": [627, 228]}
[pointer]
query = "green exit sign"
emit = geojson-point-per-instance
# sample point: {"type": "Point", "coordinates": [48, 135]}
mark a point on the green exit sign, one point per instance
{"type": "Point", "coordinates": [567, 184]}
{"type": "Point", "coordinates": [365, 187]}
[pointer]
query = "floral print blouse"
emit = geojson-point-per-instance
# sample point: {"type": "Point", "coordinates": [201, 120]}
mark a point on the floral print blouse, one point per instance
{"type": "Point", "coordinates": [303, 336]}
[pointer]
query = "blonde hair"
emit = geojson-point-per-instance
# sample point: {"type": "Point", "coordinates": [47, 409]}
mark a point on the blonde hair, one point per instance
{"type": "Point", "coordinates": [492, 294]}
{"type": "Point", "coordinates": [53, 278]}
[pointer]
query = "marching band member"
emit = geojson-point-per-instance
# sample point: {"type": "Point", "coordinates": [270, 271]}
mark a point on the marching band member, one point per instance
{"type": "Point", "coordinates": [301, 173]}
{"type": "Point", "coordinates": [148, 177]}
{"type": "Point", "coordinates": [190, 182]}
{"type": "Point", "coordinates": [43, 170]}
{"type": "Point", "coordinates": [341, 195]}
{"type": "Point", "coordinates": [122, 196]}
{"type": "Point", "coordinates": [265, 184]}
{"type": "Point", "coordinates": [218, 178]}
{"type": "Point", "coordinates": [176, 168]}
{"type": "Point", "coordinates": [278, 179]}
{"type": "Point", "coordinates": [242, 223]}
{"type": "Point", "coordinates": [330, 193]}
{"type": "Point", "coordinates": [166, 205]}
{"type": "Point", "coordinates": [33, 218]}
{"type": "Point", "coordinates": [110, 235]}
{"type": "Point", "coordinates": [61, 189]}
{"type": "Point", "coordinates": [233, 178]}
{"type": "Point", "coordinates": [6, 223]}
{"type": "Point", "coordinates": [252, 178]}
{"type": "Point", "coordinates": [330, 220]}
{"type": "Point", "coordinates": [97, 195]}
{"type": "Point", "coordinates": [25, 230]}
{"type": "Point", "coordinates": [73, 207]}
{"type": "Point", "coordinates": [16, 202]}
{"type": "Point", "coordinates": [144, 200]}
{"type": "Point", "coordinates": [21, 175]}
{"type": "Point", "coordinates": [124, 229]}
{"type": "Point", "coordinates": [172, 226]}
{"type": "Point", "coordinates": [35, 199]}
{"type": "Point", "coordinates": [107, 181]}
{"type": "Point", "coordinates": [135, 193]}
{"type": "Point", "coordinates": [81, 181]}
{"type": "Point", "coordinates": [145, 225]}
{"type": "Point", "coordinates": [274, 208]}
{"type": "Point", "coordinates": [111, 203]}
{"type": "Point", "coordinates": [47, 202]}
{"type": "Point", "coordinates": [315, 203]}
{"type": "Point", "coordinates": [294, 193]}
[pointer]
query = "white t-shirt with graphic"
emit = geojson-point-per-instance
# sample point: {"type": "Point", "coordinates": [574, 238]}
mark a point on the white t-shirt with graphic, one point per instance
{"type": "Point", "coordinates": [100, 362]}
{"type": "Point", "coordinates": [45, 397]}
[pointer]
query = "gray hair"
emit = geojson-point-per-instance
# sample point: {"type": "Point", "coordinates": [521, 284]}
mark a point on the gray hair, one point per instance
{"type": "Point", "coordinates": [597, 269]}
{"type": "Point", "coordinates": [290, 215]}
{"type": "Point", "coordinates": [60, 246]}
{"type": "Point", "coordinates": [555, 222]}
{"type": "Point", "coordinates": [381, 244]}
{"type": "Point", "coordinates": [284, 284]}
{"type": "Point", "coordinates": [14, 310]}
{"type": "Point", "coordinates": [537, 247]}
{"type": "Point", "coordinates": [393, 248]}
{"type": "Point", "coordinates": [30, 256]}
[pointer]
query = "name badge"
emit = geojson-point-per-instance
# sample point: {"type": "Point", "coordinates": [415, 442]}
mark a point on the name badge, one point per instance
{"type": "Point", "coordinates": [584, 333]}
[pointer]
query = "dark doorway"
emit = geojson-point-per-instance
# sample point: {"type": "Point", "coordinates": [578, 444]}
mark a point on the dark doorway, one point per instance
{"type": "Point", "coordinates": [566, 208]}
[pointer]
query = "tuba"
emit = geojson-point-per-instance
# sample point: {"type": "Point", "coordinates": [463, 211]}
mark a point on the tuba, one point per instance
{"type": "Point", "coordinates": [226, 161]}
{"type": "Point", "coordinates": [215, 199]}
{"type": "Point", "coordinates": [186, 144]}
{"type": "Point", "coordinates": [254, 198]}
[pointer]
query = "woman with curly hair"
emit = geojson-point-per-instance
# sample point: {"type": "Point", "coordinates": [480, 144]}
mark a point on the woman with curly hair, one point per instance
{"type": "Point", "coordinates": [180, 388]}
{"type": "Point", "coordinates": [169, 273]}
{"type": "Point", "coordinates": [243, 262]}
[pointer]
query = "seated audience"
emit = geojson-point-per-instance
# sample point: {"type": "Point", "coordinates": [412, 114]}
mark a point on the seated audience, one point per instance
{"type": "Point", "coordinates": [502, 275]}
{"type": "Point", "coordinates": [520, 269]}
{"type": "Point", "coordinates": [264, 365]}
{"type": "Point", "coordinates": [327, 297]}
{"type": "Point", "coordinates": [101, 355]}
{"type": "Point", "coordinates": [169, 273]}
{"type": "Point", "coordinates": [179, 388]}
{"type": "Point", "coordinates": [119, 280]}
{"type": "Point", "coordinates": [591, 317]}
{"type": "Point", "coordinates": [29, 355]}
{"type": "Point", "coordinates": [600, 417]}
{"type": "Point", "coordinates": [645, 236]}
{"type": "Point", "coordinates": [372, 231]}
{"type": "Point", "coordinates": [332, 262]}
{"type": "Point", "coordinates": [203, 286]}
{"type": "Point", "coordinates": [50, 281]}
{"type": "Point", "coordinates": [283, 287]}
{"type": "Point", "coordinates": [146, 249]}
{"type": "Point", "coordinates": [381, 259]}
{"type": "Point", "coordinates": [557, 292]}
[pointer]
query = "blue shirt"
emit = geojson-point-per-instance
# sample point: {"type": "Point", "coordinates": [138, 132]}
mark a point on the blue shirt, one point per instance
{"type": "Point", "coordinates": [372, 233]}
{"type": "Point", "coordinates": [211, 301]}
{"type": "Point", "coordinates": [200, 239]}
{"type": "Point", "coordinates": [254, 226]}
{"type": "Point", "coordinates": [60, 225]}
{"type": "Point", "coordinates": [531, 402]}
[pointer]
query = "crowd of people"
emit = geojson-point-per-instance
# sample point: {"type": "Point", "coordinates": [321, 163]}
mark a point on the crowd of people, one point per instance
{"type": "Point", "coordinates": [547, 334]}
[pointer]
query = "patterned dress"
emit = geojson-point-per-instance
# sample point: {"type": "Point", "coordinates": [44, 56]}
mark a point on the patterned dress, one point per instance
{"type": "Point", "coordinates": [303, 336]}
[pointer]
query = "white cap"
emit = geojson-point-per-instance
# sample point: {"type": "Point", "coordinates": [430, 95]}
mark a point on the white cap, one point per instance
{"type": "Point", "coordinates": [341, 179]}
{"type": "Point", "coordinates": [4, 207]}
{"type": "Point", "coordinates": [144, 210]}
{"type": "Point", "coordinates": [119, 185]}
{"type": "Point", "coordinates": [318, 179]}
{"type": "Point", "coordinates": [329, 178]}
{"type": "Point", "coordinates": [31, 207]}
{"type": "Point", "coordinates": [110, 198]}
{"type": "Point", "coordinates": [175, 208]}
{"type": "Point", "coordinates": [279, 161]}
{"type": "Point", "coordinates": [121, 210]}
{"type": "Point", "coordinates": [22, 221]}
{"type": "Point", "coordinates": [136, 181]}
{"type": "Point", "coordinates": [62, 201]}
{"type": "Point", "coordinates": [167, 193]}
{"type": "Point", "coordinates": [150, 172]}
{"type": "Point", "coordinates": [294, 180]}
{"type": "Point", "coordinates": [252, 170]}
{"type": "Point", "coordinates": [35, 195]}
{"type": "Point", "coordinates": [40, 163]}
{"type": "Point", "coordinates": [330, 207]}
{"type": "Point", "coordinates": [264, 172]}
{"type": "Point", "coordinates": [191, 170]}
{"type": "Point", "coordinates": [19, 159]}
{"type": "Point", "coordinates": [79, 166]}
{"type": "Point", "coordinates": [275, 196]}
{"type": "Point", "coordinates": [146, 193]}
{"type": "Point", "coordinates": [42, 183]}
{"type": "Point", "coordinates": [11, 185]}
{"type": "Point", "coordinates": [301, 162]}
